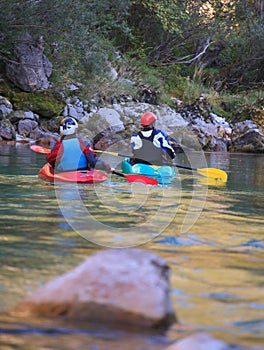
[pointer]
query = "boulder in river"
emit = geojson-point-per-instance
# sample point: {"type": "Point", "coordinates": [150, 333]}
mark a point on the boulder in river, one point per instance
{"type": "Point", "coordinates": [118, 286]}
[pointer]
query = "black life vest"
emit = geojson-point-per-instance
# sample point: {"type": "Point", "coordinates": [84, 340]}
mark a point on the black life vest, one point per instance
{"type": "Point", "coordinates": [148, 153]}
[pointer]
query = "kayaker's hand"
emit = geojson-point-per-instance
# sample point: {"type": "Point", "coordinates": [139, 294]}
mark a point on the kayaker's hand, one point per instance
{"type": "Point", "coordinates": [167, 159]}
{"type": "Point", "coordinates": [108, 169]}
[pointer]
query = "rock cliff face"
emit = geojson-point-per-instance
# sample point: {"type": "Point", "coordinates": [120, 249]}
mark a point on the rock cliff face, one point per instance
{"type": "Point", "coordinates": [30, 68]}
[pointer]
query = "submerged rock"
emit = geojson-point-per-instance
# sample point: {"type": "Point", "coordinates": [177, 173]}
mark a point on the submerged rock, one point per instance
{"type": "Point", "coordinates": [121, 287]}
{"type": "Point", "coordinates": [198, 341]}
{"type": "Point", "coordinates": [203, 341]}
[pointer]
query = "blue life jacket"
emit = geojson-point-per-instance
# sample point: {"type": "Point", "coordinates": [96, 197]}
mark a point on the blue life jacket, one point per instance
{"type": "Point", "coordinates": [73, 157]}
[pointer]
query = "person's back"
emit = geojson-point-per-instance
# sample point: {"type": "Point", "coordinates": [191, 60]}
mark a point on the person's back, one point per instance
{"type": "Point", "coordinates": [72, 152]}
{"type": "Point", "coordinates": [73, 156]}
{"type": "Point", "coordinates": [150, 146]}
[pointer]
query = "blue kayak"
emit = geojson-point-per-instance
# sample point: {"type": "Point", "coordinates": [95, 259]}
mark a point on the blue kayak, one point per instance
{"type": "Point", "coordinates": [164, 174]}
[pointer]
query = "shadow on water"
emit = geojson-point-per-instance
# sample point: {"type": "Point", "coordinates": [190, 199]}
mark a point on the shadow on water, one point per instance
{"type": "Point", "coordinates": [61, 334]}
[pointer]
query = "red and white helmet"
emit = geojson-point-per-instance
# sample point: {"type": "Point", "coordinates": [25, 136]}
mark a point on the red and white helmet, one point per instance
{"type": "Point", "coordinates": [68, 126]}
{"type": "Point", "coordinates": [147, 119]}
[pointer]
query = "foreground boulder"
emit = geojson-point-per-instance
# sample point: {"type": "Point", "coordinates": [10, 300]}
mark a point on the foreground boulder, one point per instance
{"type": "Point", "coordinates": [128, 287]}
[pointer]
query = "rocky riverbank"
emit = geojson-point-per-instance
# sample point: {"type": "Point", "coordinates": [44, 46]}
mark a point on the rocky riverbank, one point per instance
{"type": "Point", "coordinates": [190, 127]}
{"type": "Point", "coordinates": [32, 109]}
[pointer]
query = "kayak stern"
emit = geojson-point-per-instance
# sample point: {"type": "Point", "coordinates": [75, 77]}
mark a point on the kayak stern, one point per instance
{"type": "Point", "coordinates": [164, 174]}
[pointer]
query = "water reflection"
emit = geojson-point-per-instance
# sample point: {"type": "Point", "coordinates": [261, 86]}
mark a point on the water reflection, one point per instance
{"type": "Point", "coordinates": [247, 171]}
{"type": "Point", "coordinates": [215, 253]}
{"type": "Point", "coordinates": [121, 215]}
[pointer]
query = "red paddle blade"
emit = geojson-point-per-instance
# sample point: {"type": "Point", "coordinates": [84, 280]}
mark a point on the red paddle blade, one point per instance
{"type": "Point", "coordinates": [40, 149]}
{"type": "Point", "coordinates": [141, 178]}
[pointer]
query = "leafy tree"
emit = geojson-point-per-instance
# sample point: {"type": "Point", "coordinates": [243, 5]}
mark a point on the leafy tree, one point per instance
{"type": "Point", "coordinates": [225, 35]}
{"type": "Point", "coordinates": [218, 42]}
{"type": "Point", "coordinates": [78, 33]}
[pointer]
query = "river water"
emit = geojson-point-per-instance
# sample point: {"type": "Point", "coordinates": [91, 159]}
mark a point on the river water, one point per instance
{"type": "Point", "coordinates": [210, 234]}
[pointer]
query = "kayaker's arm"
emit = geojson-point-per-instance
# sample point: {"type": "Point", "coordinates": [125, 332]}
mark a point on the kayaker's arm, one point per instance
{"type": "Point", "coordinates": [164, 142]}
{"type": "Point", "coordinates": [93, 161]}
{"type": "Point", "coordinates": [55, 154]}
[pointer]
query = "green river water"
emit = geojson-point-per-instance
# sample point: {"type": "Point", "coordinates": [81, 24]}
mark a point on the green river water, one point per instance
{"type": "Point", "coordinates": [210, 235]}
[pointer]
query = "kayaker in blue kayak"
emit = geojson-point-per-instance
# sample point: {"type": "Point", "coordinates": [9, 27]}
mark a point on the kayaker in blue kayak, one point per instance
{"type": "Point", "coordinates": [151, 146]}
{"type": "Point", "coordinates": [73, 152]}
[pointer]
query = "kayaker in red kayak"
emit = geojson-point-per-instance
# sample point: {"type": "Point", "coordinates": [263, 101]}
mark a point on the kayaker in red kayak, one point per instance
{"type": "Point", "coordinates": [73, 152]}
{"type": "Point", "coordinates": [150, 146]}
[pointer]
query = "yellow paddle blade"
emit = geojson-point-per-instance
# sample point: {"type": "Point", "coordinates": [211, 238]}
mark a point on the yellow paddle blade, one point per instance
{"type": "Point", "coordinates": [210, 181]}
{"type": "Point", "coordinates": [217, 174]}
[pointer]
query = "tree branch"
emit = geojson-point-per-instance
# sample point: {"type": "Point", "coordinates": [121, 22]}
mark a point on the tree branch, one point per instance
{"type": "Point", "coordinates": [208, 43]}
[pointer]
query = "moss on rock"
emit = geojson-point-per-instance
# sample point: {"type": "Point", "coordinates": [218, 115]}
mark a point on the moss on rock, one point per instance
{"type": "Point", "coordinates": [5, 89]}
{"type": "Point", "coordinates": [45, 104]}
{"type": "Point", "coordinates": [259, 120]}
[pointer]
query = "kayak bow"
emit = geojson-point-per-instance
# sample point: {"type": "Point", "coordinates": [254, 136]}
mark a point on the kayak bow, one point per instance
{"type": "Point", "coordinates": [83, 176]}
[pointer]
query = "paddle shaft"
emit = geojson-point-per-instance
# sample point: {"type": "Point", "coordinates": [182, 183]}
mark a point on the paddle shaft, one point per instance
{"type": "Point", "coordinates": [183, 167]}
{"type": "Point", "coordinates": [126, 156]}
{"type": "Point", "coordinates": [118, 173]}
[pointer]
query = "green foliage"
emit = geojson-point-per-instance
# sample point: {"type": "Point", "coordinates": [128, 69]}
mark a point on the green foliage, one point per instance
{"type": "Point", "coordinates": [242, 58]}
{"type": "Point", "coordinates": [184, 88]}
{"type": "Point", "coordinates": [238, 107]}
{"type": "Point", "coordinates": [146, 75]}
{"type": "Point", "coordinates": [169, 46]}
{"type": "Point", "coordinates": [172, 77]}
{"type": "Point", "coordinates": [169, 13]}
{"type": "Point", "coordinates": [78, 34]}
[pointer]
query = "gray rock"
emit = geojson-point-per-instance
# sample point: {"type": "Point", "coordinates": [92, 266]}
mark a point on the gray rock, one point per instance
{"type": "Point", "coordinates": [7, 130]}
{"type": "Point", "coordinates": [26, 126]}
{"type": "Point", "coordinates": [247, 137]}
{"type": "Point", "coordinates": [5, 107]}
{"type": "Point", "coordinates": [121, 287]}
{"type": "Point", "coordinates": [112, 119]}
{"type": "Point", "coordinates": [30, 68]}
{"type": "Point", "coordinates": [31, 115]}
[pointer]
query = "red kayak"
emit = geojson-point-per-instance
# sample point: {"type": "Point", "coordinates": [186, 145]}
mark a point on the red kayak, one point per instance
{"type": "Point", "coordinates": [81, 176]}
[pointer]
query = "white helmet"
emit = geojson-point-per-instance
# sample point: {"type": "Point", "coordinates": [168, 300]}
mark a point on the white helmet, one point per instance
{"type": "Point", "coordinates": [68, 126]}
